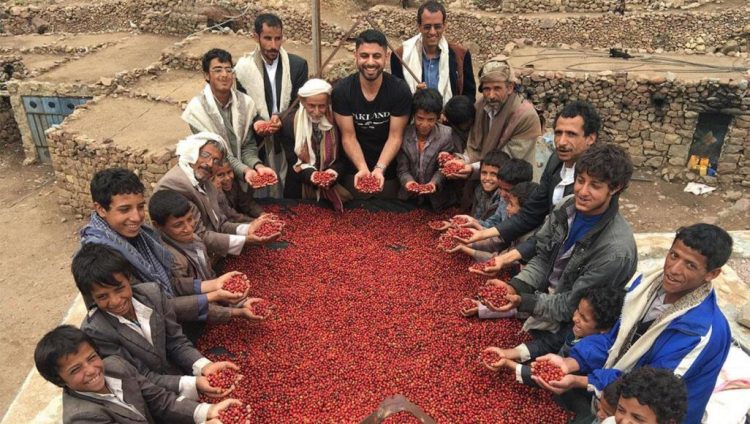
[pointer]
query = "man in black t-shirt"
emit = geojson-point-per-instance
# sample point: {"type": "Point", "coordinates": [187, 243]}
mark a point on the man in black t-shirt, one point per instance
{"type": "Point", "coordinates": [372, 109]}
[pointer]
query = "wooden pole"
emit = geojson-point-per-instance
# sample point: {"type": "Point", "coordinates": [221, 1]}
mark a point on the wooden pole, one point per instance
{"type": "Point", "coordinates": [375, 25]}
{"type": "Point", "coordinates": [317, 69]}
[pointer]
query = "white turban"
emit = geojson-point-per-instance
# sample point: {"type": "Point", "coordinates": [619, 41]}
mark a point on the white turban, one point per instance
{"type": "Point", "coordinates": [303, 126]}
{"type": "Point", "coordinates": [313, 87]}
{"type": "Point", "coordinates": [189, 148]}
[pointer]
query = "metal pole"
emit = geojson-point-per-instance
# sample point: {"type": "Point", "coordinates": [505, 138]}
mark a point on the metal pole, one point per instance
{"type": "Point", "coordinates": [316, 59]}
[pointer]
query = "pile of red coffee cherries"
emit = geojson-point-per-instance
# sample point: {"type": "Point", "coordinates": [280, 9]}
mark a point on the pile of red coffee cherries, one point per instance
{"type": "Point", "coordinates": [236, 414]}
{"type": "Point", "coordinates": [224, 378]}
{"type": "Point", "coordinates": [547, 371]}
{"type": "Point", "coordinates": [490, 357]}
{"type": "Point", "coordinates": [262, 308]}
{"type": "Point", "coordinates": [452, 168]}
{"type": "Point", "coordinates": [362, 321]}
{"type": "Point", "coordinates": [368, 184]}
{"type": "Point", "coordinates": [323, 179]}
{"type": "Point", "coordinates": [263, 180]}
{"type": "Point", "coordinates": [269, 228]}
{"type": "Point", "coordinates": [482, 266]}
{"type": "Point", "coordinates": [494, 295]}
{"type": "Point", "coordinates": [238, 283]}
{"type": "Point", "coordinates": [420, 188]}
{"type": "Point", "coordinates": [444, 157]}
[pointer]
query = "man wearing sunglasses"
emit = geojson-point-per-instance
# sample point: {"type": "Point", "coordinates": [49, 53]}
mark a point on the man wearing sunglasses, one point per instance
{"type": "Point", "coordinates": [438, 64]}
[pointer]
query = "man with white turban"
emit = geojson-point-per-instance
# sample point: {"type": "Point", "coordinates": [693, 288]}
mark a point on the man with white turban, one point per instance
{"type": "Point", "coordinates": [191, 177]}
{"type": "Point", "coordinates": [312, 144]}
{"type": "Point", "coordinates": [504, 119]}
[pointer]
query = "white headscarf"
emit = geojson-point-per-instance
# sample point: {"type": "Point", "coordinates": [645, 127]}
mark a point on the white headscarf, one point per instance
{"type": "Point", "coordinates": [189, 148]}
{"type": "Point", "coordinates": [303, 126]}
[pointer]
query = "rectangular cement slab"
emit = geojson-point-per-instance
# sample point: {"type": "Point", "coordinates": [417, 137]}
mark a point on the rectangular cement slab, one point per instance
{"type": "Point", "coordinates": [17, 42]}
{"type": "Point", "coordinates": [178, 85]}
{"type": "Point", "coordinates": [86, 40]}
{"type": "Point", "coordinates": [135, 123]}
{"type": "Point", "coordinates": [685, 67]}
{"type": "Point", "coordinates": [136, 52]}
{"type": "Point", "coordinates": [35, 61]}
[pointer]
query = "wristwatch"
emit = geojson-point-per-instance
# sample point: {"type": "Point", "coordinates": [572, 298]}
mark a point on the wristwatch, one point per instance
{"type": "Point", "coordinates": [380, 166]}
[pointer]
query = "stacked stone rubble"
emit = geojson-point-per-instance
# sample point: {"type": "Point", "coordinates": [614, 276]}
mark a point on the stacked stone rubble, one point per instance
{"type": "Point", "coordinates": [654, 117]}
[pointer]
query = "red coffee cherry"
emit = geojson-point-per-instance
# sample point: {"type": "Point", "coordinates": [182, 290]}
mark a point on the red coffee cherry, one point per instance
{"type": "Point", "coordinates": [269, 228]}
{"type": "Point", "coordinates": [419, 188]}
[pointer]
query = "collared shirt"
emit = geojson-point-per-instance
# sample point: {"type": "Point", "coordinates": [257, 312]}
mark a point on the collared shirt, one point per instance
{"type": "Point", "coordinates": [236, 240]}
{"type": "Point", "coordinates": [142, 326]}
{"type": "Point", "coordinates": [117, 397]}
{"type": "Point", "coordinates": [567, 177]}
{"type": "Point", "coordinates": [431, 69]}
{"type": "Point", "coordinates": [271, 71]}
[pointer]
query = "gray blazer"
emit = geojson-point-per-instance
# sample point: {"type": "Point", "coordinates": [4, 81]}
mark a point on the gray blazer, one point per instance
{"type": "Point", "coordinates": [212, 226]}
{"type": "Point", "coordinates": [153, 402]}
{"type": "Point", "coordinates": [172, 354]}
{"type": "Point", "coordinates": [409, 167]}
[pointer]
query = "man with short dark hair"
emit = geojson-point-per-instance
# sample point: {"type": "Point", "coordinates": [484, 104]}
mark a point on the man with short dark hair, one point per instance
{"type": "Point", "coordinates": [271, 77]}
{"type": "Point", "coordinates": [670, 320]}
{"type": "Point", "coordinates": [222, 110]}
{"type": "Point", "coordinates": [438, 64]}
{"type": "Point", "coordinates": [371, 109]}
{"type": "Point", "coordinates": [459, 114]}
{"type": "Point", "coordinates": [584, 243]}
{"type": "Point", "coordinates": [577, 128]}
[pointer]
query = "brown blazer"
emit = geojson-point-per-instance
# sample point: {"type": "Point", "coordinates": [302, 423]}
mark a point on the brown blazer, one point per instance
{"type": "Point", "coordinates": [410, 169]}
{"type": "Point", "coordinates": [185, 272]}
{"type": "Point", "coordinates": [153, 402]}
{"type": "Point", "coordinates": [171, 356]}
{"type": "Point", "coordinates": [212, 226]}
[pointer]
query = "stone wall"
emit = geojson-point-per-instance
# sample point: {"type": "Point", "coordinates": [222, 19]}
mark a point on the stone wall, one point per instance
{"type": "Point", "coordinates": [9, 132]}
{"type": "Point", "coordinates": [581, 6]}
{"type": "Point", "coordinates": [11, 67]}
{"type": "Point", "coordinates": [486, 36]}
{"type": "Point", "coordinates": [77, 158]}
{"type": "Point", "coordinates": [657, 138]}
{"type": "Point", "coordinates": [19, 88]}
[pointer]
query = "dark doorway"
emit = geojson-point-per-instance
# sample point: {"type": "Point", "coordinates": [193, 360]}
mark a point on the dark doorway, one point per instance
{"type": "Point", "coordinates": [709, 137]}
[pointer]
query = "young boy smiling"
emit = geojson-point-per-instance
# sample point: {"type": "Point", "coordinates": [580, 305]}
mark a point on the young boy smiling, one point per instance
{"type": "Point", "coordinates": [110, 390]}
{"type": "Point", "coordinates": [170, 212]}
{"type": "Point", "coordinates": [138, 324]}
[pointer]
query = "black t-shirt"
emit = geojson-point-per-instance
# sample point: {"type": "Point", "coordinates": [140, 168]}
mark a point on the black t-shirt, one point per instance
{"type": "Point", "coordinates": [372, 119]}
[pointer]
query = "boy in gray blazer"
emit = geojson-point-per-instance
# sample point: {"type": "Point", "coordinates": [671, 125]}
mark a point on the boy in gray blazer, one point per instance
{"type": "Point", "coordinates": [110, 390]}
{"type": "Point", "coordinates": [137, 323]}
{"type": "Point", "coordinates": [417, 161]}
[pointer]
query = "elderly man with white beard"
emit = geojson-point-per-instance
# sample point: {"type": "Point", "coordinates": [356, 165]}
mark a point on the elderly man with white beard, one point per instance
{"type": "Point", "coordinates": [191, 177]}
{"type": "Point", "coordinates": [312, 146]}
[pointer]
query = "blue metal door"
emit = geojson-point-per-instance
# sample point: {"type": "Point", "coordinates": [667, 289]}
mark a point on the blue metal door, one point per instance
{"type": "Point", "coordinates": [43, 113]}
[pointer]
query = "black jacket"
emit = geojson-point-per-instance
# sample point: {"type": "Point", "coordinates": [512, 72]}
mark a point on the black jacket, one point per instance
{"type": "Point", "coordinates": [536, 208]}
